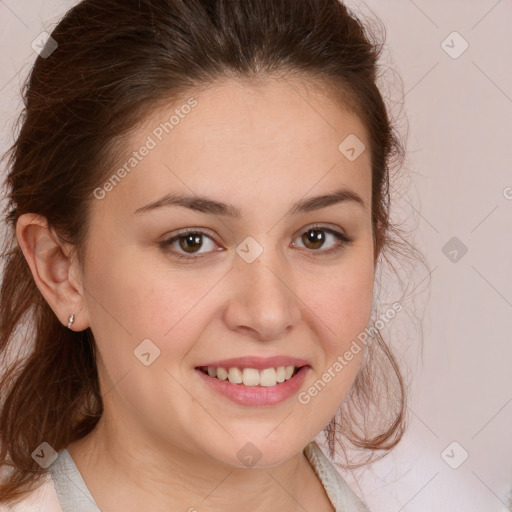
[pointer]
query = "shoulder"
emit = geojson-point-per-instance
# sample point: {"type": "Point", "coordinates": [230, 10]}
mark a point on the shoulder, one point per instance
{"type": "Point", "coordinates": [42, 499]}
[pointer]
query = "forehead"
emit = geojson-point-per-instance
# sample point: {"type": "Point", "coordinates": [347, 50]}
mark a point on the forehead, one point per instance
{"type": "Point", "coordinates": [244, 140]}
{"type": "Point", "coordinates": [271, 113]}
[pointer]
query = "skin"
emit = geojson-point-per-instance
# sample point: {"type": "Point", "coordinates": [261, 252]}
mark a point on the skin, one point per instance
{"type": "Point", "coordinates": [166, 441]}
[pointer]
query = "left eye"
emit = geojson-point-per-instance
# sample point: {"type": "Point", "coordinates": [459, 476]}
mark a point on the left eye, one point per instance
{"type": "Point", "coordinates": [316, 237]}
{"type": "Point", "coordinates": [190, 241]}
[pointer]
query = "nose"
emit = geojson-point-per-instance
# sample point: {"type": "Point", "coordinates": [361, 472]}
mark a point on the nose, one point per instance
{"type": "Point", "coordinates": [263, 302]}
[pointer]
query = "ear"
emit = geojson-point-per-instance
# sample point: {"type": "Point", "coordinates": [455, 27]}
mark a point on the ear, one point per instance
{"type": "Point", "coordinates": [56, 275]}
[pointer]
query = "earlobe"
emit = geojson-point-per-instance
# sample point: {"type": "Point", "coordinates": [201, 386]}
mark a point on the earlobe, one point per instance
{"type": "Point", "coordinates": [52, 270]}
{"type": "Point", "coordinates": [71, 320]}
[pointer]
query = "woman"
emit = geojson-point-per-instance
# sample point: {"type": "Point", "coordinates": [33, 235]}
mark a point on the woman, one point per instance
{"type": "Point", "coordinates": [198, 205]}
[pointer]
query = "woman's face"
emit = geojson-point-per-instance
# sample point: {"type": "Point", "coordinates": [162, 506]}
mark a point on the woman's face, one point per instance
{"type": "Point", "coordinates": [253, 279]}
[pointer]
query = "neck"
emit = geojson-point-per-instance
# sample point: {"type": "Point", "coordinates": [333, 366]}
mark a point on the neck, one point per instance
{"type": "Point", "coordinates": [155, 476]}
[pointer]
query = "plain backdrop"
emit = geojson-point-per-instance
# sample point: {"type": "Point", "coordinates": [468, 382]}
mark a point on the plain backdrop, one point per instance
{"type": "Point", "coordinates": [454, 61]}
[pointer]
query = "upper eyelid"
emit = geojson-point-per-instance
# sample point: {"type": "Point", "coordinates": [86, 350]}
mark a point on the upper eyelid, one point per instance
{"type": "Point", "coordinates": [206, 231]}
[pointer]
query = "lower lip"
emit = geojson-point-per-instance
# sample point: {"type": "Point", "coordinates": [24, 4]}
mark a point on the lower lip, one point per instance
{"type": "Point", "coordinates": [256, 395]}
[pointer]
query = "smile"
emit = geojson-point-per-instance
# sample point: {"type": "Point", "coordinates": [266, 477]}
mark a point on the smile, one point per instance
{"type": "Point", "coordinates": [252, 376]}
{"type": "Point", "coordinates": [252, 387]}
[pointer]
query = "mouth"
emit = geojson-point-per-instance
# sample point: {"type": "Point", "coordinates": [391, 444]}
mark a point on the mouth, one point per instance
{"type": "Point", "coordinates": [252, 377]}
{"type": "Point", "coordinates": [251, 387]}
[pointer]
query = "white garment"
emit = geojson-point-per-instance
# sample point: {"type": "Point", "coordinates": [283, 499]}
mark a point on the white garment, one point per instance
{"type": "Point", "coordinates": [64, 490]}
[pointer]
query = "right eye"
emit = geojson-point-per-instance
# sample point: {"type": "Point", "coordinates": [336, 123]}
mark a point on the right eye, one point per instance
{"type": "Point", "coordinates": [188, 241]}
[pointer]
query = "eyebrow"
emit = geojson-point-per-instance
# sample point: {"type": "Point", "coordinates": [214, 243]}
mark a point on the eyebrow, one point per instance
{"type": "Point", "coordinates": [205, 204]}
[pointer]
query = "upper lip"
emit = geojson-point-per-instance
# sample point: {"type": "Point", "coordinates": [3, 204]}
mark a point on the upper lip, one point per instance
{"type": "Point", "coordinates": [258, 363]}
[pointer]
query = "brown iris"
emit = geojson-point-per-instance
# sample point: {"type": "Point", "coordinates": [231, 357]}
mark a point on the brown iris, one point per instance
{"type": "Point", "coordinates": [315, 237]}
{"type": "Point", "coordinates": [187, 242]}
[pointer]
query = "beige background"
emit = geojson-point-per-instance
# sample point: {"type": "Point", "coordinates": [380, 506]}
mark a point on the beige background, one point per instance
{"type": "Point", "coordinates": [459, 114]}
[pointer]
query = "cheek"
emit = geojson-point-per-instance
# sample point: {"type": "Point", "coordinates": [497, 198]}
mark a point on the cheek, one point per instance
{"type": "Point", "coordinates": [134, 303]}
{"type": "Point", "coordinates": [340, 308]}
{"type": "Point", "coordinates": [139, 296]}
{"type": "Point", "coordinates": [342, 300]}
{"type": "Point", "coordinates": [169, 307]}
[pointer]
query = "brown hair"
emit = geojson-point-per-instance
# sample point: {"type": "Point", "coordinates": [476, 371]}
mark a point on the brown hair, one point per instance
{"type": "Point", "coordinates": [115, 61]}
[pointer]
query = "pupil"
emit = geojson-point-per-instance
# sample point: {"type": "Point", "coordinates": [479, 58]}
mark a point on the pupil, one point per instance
{"type": "Point", "coordinates": [315, 237]}
{"type": "Point", "coordinates": [189, 241]}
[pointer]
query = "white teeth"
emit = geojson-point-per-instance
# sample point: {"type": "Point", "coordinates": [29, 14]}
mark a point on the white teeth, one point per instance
{"type": "Point", "coordinates": [222, 374]}
{"type": "Point", "coordinates": [268, 377]}
{"type": "Point", "coordinates": [252, 376]}
{"type": "Point", "coordinates": [235, 376]}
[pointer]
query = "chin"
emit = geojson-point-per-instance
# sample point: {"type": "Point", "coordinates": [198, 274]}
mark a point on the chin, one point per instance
{"type": "Point", "coordinates": [257, 451]}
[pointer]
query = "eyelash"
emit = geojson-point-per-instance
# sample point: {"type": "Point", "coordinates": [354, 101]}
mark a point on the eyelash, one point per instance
{"type": "Point", "coordinates": [342, 239]}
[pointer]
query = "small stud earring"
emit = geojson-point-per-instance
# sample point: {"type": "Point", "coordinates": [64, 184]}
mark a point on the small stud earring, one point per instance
{"type": "Point", "coordinates": [71, 320]}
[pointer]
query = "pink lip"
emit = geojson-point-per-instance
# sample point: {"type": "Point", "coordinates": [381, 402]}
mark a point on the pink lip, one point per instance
{"type": "Point", "coordinates": [259, 363]}
{"type": "Point", "coordinates": [256, 395]}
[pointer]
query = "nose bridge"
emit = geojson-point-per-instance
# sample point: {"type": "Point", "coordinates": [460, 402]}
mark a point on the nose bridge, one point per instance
{"type": "Point", "coordinates": [264, 300]}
